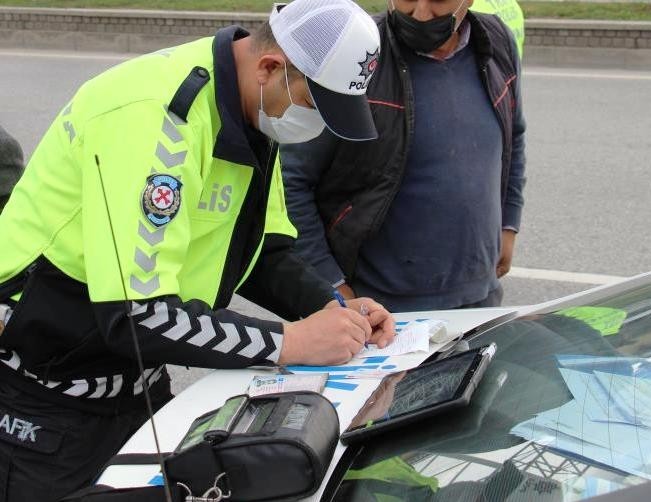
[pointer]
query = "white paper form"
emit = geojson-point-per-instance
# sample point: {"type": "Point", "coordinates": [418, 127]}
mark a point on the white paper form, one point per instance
{"type": "Point", "coordinates": [413, 337]}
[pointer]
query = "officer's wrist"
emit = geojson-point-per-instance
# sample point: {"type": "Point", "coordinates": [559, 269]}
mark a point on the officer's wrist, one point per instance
{"type": "Point", "coordinates": [287, 351]}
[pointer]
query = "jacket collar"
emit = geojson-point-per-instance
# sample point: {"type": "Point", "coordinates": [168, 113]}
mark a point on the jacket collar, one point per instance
{"type": "Point", "coordinates": [480, 39]}
{"type": "Point", "coordinates": [232, 143]}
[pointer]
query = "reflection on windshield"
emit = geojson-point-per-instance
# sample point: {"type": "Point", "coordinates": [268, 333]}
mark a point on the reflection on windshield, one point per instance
{"type": "Point", "coordinates": [562, 414]}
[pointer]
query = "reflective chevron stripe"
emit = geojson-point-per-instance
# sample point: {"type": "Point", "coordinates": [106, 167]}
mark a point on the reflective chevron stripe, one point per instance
{"type": "Point", "coordinates": [169, 159]}
{"type": "Point", "coordinates": [278, 342]}
{"type": "Point", "coordinates": [160, 317]}
{"type": "Point", "coordinates": [79, 387]}
{"type": "Point", "coordinates": [206, 334]}
{"type": "Point", "coordinates": [152, 238]}
{"type": "Point", "coordinates": [100, 388]}
{"type": "Point", "coordinates": [175, 118]}
{"type": "Point", "coordinates": [182, 326]}
{"type": "Point", "coordinates": [30, 375]}
{"type": "Point", "coordinates": [69, 128]}
{"type": "Point", "coordinates": [67, 125]}
{"type": "Point", "coordinates": [232, 338]}
{"type": "Point", "coordinates": [13, 362]}
{"type": "Point", "coordinates": [146, 263]}
{"type": "Point", "coordinates": [151, 376]}
{"type": "Point", "coordinates": [255, 346]}
{"type": "Point", "coordinates": [117, 385]}
{"type": "Point", "coordinates": [170, 130]}
{"type": "Point", "coordinates": [145, 288]}
{"type": "Point", "coordinates": [95, 388]}
{"type": "Point", "coordinates": [146, 259]}
{"type": "Point", "coordinates": [137, 309]}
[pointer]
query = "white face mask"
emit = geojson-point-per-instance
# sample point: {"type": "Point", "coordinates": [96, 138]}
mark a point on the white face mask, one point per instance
{"type": "Point", "coordinates": [297, 125]}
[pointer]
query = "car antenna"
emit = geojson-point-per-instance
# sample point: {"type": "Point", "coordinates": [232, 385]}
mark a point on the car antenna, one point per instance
{"type": "Point", "coordinates": [141, 366]}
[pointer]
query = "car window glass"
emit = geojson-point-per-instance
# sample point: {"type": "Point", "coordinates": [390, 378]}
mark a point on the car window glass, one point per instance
{"type": "Point", "coordinates": [562, 414]}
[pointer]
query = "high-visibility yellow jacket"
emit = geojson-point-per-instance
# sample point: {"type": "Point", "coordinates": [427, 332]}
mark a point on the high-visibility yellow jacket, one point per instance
{"type": "Point", "coordinates": [189, 204]}
{"type": "Point", "coordinates": [509, 12]}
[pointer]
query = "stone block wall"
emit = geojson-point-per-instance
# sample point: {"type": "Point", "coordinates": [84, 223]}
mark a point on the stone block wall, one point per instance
{"type": "Point", "coordinates": [111, 30]}
{"type": "Point", "coordinates": [595, 34]}
{"type": "Point", "coordinates": [143, 31]}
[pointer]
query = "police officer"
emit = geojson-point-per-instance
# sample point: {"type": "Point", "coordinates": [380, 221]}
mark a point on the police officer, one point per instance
{"type": "Point", "coordinates": [153, 197]}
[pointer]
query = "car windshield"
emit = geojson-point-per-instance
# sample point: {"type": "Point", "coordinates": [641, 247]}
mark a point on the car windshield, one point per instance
{"type": "Point", "coordinates": [563, 413]}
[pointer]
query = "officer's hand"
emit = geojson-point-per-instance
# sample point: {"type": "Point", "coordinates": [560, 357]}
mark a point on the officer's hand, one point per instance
{"type": "Point", "coordinates": [382, 323]}
{"type": "Point", "coordinates": [329, 336]}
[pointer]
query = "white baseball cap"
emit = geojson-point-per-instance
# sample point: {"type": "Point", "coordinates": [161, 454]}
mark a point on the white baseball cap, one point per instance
{"type": "Point", "coordinates": [336, 44]}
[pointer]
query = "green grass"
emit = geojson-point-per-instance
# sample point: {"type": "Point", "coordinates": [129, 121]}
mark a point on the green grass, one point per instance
{"type": "Point", "coordinates": [213, 5]}
{"type": "Point", "coordinates": [532, 9]}
{"type": "Point", "coordinates": [581, 10]}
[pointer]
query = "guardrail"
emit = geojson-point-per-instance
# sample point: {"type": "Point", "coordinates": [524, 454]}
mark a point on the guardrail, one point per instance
{"type": "Point", "coordinates": [594, 43]}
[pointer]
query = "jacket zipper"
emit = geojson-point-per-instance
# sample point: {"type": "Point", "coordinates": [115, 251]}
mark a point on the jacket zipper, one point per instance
{"type": "Point", "coordinates": [409, 107]}
{"type": "Point", "coordinates": [493, 98]}
{"type": "Point", "coordinates": [17, 283]}
{"type": "Point", "coordinates": [231, 278]}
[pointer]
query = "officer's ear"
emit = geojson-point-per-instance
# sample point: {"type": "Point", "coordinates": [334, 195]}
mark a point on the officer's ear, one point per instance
{"type": "Point", "coordinates": [268, 65]}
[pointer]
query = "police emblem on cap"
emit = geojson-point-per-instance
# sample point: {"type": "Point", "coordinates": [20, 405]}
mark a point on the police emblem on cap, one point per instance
{"type": "Point", "coordinates": [161, 199]}
{"type": "Point", "coordinates": [369, 65]}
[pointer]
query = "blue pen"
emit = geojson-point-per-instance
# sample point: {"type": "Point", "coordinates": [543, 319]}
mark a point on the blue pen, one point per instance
{"type": "Point", "coordinates": [340, 299]}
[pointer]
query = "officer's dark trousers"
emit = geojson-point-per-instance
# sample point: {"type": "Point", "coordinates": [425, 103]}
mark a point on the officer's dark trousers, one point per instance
{"type": "Point", "coordinates": [48, 451]}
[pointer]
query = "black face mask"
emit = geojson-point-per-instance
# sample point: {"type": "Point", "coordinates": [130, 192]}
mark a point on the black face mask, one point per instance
{"type": "Point", "coordinates": [422, 36]}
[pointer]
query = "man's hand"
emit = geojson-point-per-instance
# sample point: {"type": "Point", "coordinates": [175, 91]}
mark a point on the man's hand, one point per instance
{"type": "Point", "coordinates": [329, 336]}
{"type": "Point", "coordinates": [506, 253]}
{"type": "Point", "coordinates": [382, 323]}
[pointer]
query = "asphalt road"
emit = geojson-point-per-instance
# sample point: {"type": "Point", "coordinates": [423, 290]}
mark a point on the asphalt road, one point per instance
{"type": "Point", "coordinates": [589, 158]}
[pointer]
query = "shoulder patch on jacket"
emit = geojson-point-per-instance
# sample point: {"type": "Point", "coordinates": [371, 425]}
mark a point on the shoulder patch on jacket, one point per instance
{"type": "Point", "coordinates": [161, 199]}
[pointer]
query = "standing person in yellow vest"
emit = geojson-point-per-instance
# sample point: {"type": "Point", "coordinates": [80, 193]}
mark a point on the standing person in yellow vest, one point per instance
{"type": "Point", "coordinates": [509, 12]}
{"type": "Point", "coordinates": [153, 197]}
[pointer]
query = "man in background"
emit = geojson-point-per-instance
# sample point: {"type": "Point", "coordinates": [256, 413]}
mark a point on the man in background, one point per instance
{"type": "Point", "coordinates": [424, 217]}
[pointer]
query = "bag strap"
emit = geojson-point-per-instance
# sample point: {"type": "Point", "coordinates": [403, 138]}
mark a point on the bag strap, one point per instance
{"type": "Point", "coordinates": [135, 459]}
{"type": "Point", "coordinates": [102, 493]}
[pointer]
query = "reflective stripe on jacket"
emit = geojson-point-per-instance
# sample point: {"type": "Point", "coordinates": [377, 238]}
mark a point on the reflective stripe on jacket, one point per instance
{"type": "Point", "coordinates": [69, 333]}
